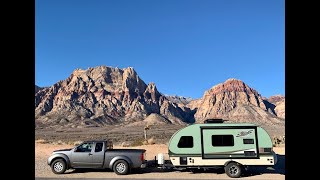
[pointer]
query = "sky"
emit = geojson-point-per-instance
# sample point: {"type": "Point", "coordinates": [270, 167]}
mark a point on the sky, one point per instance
{"type": "Point", "coordinates": [184, 46]}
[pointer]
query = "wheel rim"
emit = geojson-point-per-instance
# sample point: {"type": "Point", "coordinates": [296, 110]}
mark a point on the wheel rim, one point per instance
{"type": "Point", "coordinates": [233, 170]}
{"type": "Point", "coordinates": [121, 167]}
{"type": "Point", "coordinates": [58, 166]}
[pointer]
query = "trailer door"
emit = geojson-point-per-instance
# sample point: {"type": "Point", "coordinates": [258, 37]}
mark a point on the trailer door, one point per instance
{"type": "Point", "coordinates": [229, 142]}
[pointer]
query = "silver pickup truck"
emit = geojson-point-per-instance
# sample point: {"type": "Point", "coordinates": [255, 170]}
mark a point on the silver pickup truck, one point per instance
{"type": "Point", "coordinates": [97, 155]}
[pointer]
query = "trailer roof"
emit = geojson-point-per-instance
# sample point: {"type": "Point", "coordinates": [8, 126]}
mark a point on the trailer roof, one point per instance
{"type": "Point", "coordinates": [224, 124]}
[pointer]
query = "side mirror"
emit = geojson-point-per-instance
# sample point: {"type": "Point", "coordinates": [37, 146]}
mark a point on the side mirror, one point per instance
{"type": "Point", "coordinates": [75, 149]}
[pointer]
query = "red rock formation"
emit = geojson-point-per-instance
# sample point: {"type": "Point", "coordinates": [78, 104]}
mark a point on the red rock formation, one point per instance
{"type": "Point", "coordinates": [101, 96]}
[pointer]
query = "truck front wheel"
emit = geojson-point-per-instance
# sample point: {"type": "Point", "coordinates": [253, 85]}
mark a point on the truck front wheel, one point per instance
{"type": "Point", "coordinates": [121, 167]}
{"type": "Point", "coordinates": [58, 166]}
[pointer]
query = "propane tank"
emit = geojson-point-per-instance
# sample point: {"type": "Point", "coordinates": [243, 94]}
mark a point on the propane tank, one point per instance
{"type": "Point", "coordinates": [161, 158]}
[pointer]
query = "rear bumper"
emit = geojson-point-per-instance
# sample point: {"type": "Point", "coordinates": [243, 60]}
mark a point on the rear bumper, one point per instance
{"type": "Point", "coordinates": [275, 157]}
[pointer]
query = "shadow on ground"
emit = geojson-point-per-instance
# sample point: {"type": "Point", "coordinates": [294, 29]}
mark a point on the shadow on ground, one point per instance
{"type": "Point", "coordinates": [279, 168]}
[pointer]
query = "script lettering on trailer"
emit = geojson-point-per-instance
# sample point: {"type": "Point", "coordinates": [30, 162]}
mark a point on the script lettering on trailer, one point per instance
{"type": "Point", "coordinates": [244, 133]}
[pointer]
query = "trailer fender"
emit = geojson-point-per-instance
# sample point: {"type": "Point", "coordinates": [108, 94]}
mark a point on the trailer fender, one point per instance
{"type": "Point", "coordinates": [226, 163]}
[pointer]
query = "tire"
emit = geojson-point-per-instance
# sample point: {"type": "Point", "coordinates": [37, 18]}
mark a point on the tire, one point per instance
{"type": "Point", "coordinates": [121, 167]}
{"type": "Point", "coordinates": [233, 170]}
{"type": "Point", "coordinates": [58, 166]}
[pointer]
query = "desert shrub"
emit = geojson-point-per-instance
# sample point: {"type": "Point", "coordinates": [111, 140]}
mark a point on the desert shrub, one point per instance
{"type": "Point", "coordinates": [137, 142]}
{"type": "Point", "coordinates": [151, 141]}
{"type": "Point", "coordinates": [76, 143]}
{"type": "Point", "coordinates": [41, 141]}
{"type": "Point", "coordinates": [124, 144]}
{"type": "Point", "coordinates": [145, 142]}
{"type": "Point", "coordinates": [276, 141]}
{"type": "Point", "coordinates": [58, 142]}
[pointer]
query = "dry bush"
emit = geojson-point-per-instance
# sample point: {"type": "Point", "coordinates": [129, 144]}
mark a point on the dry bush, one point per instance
{"type": "Point", "coordinates": [58, 143]}
{"type": "Point", "coordinates": [145, 142]}
{"type": "Point", "coordinates": [76, 143]}
{"type": "Point", "coordinates": [277, 141]}
{"type": "Point", "coordinates": [41, 141]}
{"type": "Point", "coordinates": [137, 142]}
{"type": "Point", "coordinates": [151, 141]}
{"type": "Point", "coordinates": [124, 144]}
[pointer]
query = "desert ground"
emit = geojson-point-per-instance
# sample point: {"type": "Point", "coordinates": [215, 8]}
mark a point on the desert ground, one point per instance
{"type": "Point", "coordinates": [133, 135]}
{"type": "Point", "coordinates": [42, 170]}
{"type": "Point", "coordinates": [50, 139]}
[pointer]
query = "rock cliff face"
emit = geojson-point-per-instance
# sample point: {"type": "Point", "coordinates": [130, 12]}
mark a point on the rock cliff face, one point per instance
{"type": "Point", "coordinates": [37, 88]}
{"type": "Point", "coordinates": [279, 105]}
{"type": "Point", "coordinates": [105, 96]}
{"type": "Point", "coordinates": [101, 96]}
{"type": "Point", "coordinates": [179, 99]}
{"type": "Point", "coordinates": [233, 100]}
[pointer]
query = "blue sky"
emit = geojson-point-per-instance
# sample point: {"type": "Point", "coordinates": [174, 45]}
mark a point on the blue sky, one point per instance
{"type": "Point", "coordinates": [184, 46]}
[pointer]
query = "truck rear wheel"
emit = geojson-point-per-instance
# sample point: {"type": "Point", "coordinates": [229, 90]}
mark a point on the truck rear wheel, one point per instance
{"type": "Point", "coordinates": [121, 167]}
{"type": "Point", "coordinates": [58, 166]}
{"type": "Point", "coordinates": [233, 170]}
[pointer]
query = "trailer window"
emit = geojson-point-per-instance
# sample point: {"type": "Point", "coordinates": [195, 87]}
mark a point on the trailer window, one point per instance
{"type": "Point", "coordinates": [185, 142]}
{"type": "Point", "coordinates": [222, 140]}
{"type": "Point", "coordinates": [248, 141]}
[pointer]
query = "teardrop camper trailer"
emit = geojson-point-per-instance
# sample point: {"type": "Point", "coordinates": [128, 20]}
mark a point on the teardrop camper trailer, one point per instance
{"type": "Point", "coordinates": [218, 144]}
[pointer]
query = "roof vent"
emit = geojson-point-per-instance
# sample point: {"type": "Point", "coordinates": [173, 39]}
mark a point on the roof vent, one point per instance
{"type": "Point", "coordinates": [214, 121]}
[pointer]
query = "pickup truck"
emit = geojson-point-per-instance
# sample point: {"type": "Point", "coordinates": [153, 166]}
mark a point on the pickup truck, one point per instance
{"type": "Point", "coordinates": [97, 155]}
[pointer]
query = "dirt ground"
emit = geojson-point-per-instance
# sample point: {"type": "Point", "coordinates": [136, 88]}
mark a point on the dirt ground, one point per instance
{"type": "Point", "coordinates": [43, 151]}
{"type": "Point", "coordinates": [120, 134]}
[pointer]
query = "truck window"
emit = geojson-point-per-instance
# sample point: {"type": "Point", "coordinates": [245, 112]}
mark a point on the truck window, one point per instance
{"type": "Point", "coordinates": [222, 140]}
{"type": "Point", "coordinates": [85, 147]}
{"type": "Point", "coordinates": [98, 147]}
{"type": "Point", "coordinates": [185, 142]}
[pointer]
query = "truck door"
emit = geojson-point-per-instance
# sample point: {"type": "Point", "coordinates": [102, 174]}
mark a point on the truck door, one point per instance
{"type": "Point", "coordinates": [82, 155]}
{"type": "Point", "coordinates": [228, 143]}
{"type": "Point", "coordinates": [98, 155]}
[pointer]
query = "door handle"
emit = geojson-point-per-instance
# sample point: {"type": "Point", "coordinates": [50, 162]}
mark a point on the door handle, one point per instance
{"type": "Point", "coordinates": [89, 154]}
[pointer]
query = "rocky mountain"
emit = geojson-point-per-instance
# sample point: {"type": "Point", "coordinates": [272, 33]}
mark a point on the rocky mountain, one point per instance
{"type": "Point", "coordinates": [102, 96]}
{"type": "Point", "coordinates": [37, 88]}
{"type": "Point", "coordinates": [236, 101]}
{"type": "Point", "coordinates": [105, 96]}
{"type": "Point", "coordinates": [278, 102]}
{"type": "Point", "coordinates": [179, 99]}
{"type": "Point", "coordinates": [276, 99]}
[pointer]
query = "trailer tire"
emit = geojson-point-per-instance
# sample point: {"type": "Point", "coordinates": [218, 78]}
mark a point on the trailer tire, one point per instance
{"type": "Point", "coordinates": [121, 167]}
{"type": "Point", "coordinates": [233, 170]}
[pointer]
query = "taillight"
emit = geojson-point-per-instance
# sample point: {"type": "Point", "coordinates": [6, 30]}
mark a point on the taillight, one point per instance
{"type": "Point", "coordinates": [142, 157]}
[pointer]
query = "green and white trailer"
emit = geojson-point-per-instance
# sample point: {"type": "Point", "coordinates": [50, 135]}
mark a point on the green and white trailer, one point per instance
{"type": "Point", "coordinates": [229, 145]}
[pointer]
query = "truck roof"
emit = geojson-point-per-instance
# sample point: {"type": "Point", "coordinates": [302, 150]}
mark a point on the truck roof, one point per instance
{"type": "Point", "coordinates": [96, 141]}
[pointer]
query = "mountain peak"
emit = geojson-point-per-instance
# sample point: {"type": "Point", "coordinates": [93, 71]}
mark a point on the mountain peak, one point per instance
{"type": "Point", "coordinates": [232, 79]}
{"type": "Point", "coordinates": [231, 85]}
{"type": "Point", "coordinates": [234, 100]}
{"type": "Point", "coordinates": [276, 99]}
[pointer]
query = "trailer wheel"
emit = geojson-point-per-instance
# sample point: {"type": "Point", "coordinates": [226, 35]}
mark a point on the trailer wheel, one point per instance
{"type": "Point", "coordinates": [233, 170]}
{"type": "Point", "coordinates": [121, 167]}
